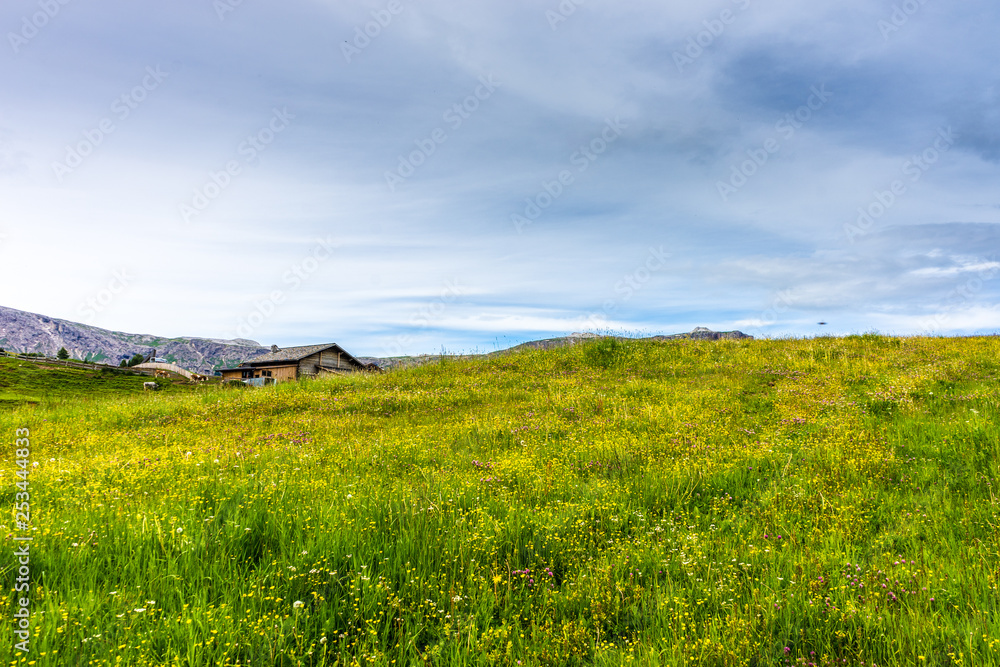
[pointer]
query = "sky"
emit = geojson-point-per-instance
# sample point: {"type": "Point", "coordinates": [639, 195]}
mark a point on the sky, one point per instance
{"type": "Point", "coordinates": [411, 176]}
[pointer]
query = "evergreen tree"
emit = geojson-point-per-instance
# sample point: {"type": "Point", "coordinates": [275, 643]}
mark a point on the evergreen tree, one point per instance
{"type": "Point", "coordinates": [62, 353]}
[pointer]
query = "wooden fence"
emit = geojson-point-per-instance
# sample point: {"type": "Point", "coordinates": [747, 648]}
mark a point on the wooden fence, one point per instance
{"type": "Point", "coordinates": [69, 363]}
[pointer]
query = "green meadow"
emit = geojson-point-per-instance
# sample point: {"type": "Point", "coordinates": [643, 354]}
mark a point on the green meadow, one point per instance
{"type": "Point", "coordinates": [819, 502]}
{"type": "Point", "coordinates": [23, 381]}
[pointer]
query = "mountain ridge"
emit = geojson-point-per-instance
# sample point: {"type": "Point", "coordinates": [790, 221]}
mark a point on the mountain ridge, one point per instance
{"type": "Point", "coordinates": [21, 331]}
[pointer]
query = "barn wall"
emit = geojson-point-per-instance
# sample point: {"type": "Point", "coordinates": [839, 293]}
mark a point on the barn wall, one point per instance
{"type": "Point", "coordinates": [308, 367]}
{"type": "Point", "coordinates": [284, 373]}
{"type": "Point", "coordinates": [334, 359]}
{"type": "Point", "coordinates": [279, 373]}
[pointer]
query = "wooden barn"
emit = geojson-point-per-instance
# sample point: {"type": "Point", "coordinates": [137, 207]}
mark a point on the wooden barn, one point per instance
{"type": "Point", "coordinates": [295, 363]}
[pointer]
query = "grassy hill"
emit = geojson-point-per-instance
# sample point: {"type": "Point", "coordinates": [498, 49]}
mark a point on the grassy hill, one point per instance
{"type": "Point", "coordinates": [795, 502]}
{"type": "Point", "coordinates": [23, 381]}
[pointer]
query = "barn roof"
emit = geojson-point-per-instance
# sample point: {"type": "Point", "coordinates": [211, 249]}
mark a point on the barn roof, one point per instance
{"type": "Point", "coordinates": [294, 354]}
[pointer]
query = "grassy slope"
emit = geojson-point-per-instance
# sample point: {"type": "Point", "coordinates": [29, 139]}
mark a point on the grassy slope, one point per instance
{"type": "Point", "coordinates": [35, 381]}
{"type": "Point", "coordinates": [827, 501]}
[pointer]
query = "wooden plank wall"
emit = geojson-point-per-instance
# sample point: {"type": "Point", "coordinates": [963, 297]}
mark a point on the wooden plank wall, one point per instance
{"type": "Point", "coordinates": [279, 373]}
{"type": "Point", "coordinates": [284, 373]}
{"type": "Point", "coordinates": [309, 366]}
{"type": "Point", "coordinates": [332, 359]}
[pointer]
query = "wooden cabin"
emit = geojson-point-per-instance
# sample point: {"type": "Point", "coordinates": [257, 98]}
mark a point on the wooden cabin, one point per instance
{"type": "Point", "coordinates": [295, 363]}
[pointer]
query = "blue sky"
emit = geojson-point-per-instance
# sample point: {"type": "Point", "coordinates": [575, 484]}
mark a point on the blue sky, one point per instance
{"type": "Point", "coordinates": [405, 176]}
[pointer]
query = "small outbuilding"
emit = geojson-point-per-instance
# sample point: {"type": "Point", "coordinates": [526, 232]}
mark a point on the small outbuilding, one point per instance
{"type": "Point", "coordinates": [295, 363]}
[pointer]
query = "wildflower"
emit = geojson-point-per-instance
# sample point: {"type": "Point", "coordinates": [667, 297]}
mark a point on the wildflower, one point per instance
{"type": "Point", "coordinates": [297, 604]}
{"type": "Point", "coordinates": [180, 530]}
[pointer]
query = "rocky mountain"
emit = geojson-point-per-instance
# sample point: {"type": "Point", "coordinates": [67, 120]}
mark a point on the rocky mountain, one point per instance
{"type": "Point", "coordinates": [701, 333]}
{"type": "Point", "coordinates": [28, 332]}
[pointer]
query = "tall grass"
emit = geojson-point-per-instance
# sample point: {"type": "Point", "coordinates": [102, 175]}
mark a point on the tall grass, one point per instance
{"type": "Point", "coordinates": [818, 502]}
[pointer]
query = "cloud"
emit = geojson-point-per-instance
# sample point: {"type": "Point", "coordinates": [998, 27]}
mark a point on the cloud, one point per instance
{"type": "Point", "coordinates": [775, 246]}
